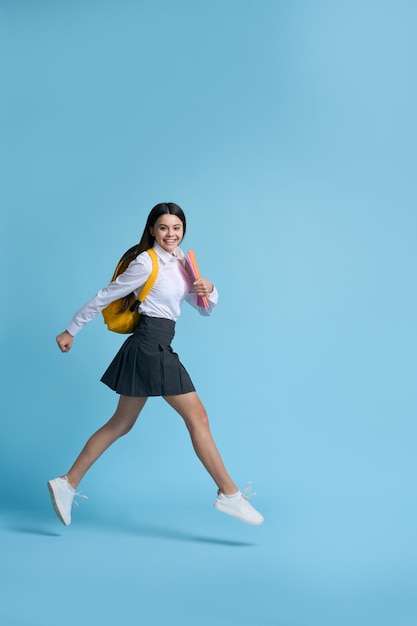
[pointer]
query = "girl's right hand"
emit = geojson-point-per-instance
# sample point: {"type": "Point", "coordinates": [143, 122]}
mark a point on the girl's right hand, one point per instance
{"type": "Point", "coordinates": [64, 341]}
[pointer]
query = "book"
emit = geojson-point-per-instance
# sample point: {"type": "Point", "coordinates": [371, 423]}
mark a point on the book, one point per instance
{"type": "Point", "coordinates": [195, 273]}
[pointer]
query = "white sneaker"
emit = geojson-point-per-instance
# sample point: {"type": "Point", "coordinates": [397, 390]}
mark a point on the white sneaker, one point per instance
{"type": "Point", "coordinates": [62, 496]}
{"type": "Point", "coordinates": [239, 506]}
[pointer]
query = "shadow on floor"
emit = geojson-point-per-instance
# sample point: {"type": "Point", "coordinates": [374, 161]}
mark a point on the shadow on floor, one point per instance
{"type": "Point", "coordinates": [171, 533]}
{"type": "Point", "coordinates": [34, 523]}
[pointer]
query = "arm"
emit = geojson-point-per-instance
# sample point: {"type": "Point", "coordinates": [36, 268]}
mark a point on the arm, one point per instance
{"type": "Point", "coordinates": [130, 281]}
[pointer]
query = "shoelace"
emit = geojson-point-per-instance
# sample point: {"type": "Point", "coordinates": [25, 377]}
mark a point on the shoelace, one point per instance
{"type": "Point", "coordinates": [247, 491]}
{"type": "Point", "coordinates": [80, 495]}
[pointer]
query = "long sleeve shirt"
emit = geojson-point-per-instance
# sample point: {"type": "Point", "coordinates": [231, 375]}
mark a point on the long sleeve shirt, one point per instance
{"type": "Point", "coordinates": [172, 286]}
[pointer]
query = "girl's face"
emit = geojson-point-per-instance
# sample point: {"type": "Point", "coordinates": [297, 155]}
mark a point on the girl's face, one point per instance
{"type": "Point", "coordinates": [168, 231]}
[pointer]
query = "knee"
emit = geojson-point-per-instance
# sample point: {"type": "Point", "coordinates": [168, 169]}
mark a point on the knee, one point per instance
{"type": "Point", "coordinates": [199, 420]}
{"type": "Point", "coordinates": [125, 429]}
{"type": "Point", "coordinates": [121, 426]}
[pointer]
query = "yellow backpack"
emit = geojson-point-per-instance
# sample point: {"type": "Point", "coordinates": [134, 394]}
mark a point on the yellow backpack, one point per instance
{"type": "Point", "coordinates": [122, 316]}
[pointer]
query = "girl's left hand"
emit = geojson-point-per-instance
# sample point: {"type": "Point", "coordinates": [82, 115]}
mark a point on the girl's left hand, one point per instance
{"type": "Point", "coordinates": [203, 287]}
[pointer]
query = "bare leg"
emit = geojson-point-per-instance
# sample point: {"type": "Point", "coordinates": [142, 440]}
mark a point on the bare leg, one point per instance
{"type": "Point", "coordinates": [122, 421]}
{"type": "Point", "coordinates": [195, 417]}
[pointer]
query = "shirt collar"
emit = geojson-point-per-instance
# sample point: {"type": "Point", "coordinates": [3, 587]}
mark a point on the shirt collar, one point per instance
{"type": "Point", "coordinates": [165, 256]}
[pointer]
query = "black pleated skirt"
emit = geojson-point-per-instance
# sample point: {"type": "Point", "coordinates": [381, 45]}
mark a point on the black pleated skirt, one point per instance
{"type": "Point", "coordinates": [146, 365]}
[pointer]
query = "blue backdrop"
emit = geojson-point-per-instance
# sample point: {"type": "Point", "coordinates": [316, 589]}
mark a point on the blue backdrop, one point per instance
{"type": "Point", "coordinates": [287, 132]}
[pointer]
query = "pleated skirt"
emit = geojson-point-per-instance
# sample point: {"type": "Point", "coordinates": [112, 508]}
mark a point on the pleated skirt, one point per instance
{"type": "Point", "coordinates": [146, 365]}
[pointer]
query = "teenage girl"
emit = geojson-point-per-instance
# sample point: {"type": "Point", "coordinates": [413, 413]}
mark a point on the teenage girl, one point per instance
{"type": "Point", "coordinates": [146, 364]}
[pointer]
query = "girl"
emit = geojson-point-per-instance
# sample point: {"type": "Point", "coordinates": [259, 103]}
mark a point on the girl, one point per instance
{"type": "Point", "coordinates": [146, 364]}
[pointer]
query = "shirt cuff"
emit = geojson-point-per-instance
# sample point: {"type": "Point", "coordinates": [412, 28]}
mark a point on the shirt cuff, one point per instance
{"type": "Point", "coordinates": [213, 296]}
{"type": "Point", "coordinates": [73, 329]}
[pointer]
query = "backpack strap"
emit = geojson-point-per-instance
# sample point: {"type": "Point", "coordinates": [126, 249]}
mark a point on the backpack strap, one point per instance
{"type": "Point", "coordinates": [152, 276]}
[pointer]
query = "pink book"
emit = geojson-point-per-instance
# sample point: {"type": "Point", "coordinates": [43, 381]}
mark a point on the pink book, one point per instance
{"type": "Point", "coordinates": [195, 272]}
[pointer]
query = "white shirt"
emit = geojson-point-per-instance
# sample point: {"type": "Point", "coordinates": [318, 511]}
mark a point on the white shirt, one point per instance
{"type": "Point", "coordinates": [172, 286]}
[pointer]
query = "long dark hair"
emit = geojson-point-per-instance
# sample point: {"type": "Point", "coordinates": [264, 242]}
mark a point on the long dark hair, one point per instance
{"type": "Point", "coordinates": [147, 240]}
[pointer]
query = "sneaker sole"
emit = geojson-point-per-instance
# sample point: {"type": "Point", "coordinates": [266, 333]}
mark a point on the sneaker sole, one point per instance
{"type": "Point", "coordinates": [219, 507]}
{"type": "Point", "coordinates": [55, 505]}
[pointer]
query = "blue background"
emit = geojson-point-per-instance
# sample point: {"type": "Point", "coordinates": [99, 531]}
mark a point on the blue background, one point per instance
{"type": "Point", "coordinates": [287, 132]}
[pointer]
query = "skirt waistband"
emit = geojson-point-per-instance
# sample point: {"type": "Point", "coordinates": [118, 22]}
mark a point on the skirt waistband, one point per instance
{"type": "Point", "coordinates": [157, 324]}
